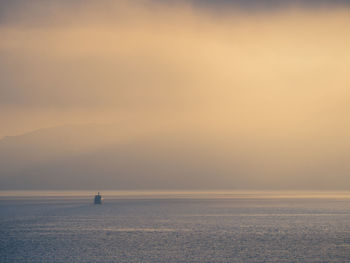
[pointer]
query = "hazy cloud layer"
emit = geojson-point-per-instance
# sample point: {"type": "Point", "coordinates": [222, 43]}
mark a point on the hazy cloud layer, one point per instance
{"type": "Point", "coordinates": [271, 82]}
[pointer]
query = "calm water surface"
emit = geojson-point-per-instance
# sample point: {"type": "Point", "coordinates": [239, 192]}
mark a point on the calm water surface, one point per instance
{"type": "Point", "coordinates": [174, 228]}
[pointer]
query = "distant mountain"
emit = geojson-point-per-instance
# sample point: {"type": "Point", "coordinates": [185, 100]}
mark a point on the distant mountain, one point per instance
{"type": "Point", "coordinates": [149, 156]}
{"type": "Point", "coordinates": [107, 157]}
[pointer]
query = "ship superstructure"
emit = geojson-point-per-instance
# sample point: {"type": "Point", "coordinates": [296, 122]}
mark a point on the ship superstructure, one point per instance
{"type": "Point", "coordinates": [98, 199]}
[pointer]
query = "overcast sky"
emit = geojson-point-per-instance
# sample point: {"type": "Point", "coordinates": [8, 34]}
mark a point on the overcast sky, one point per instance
{"type": "Point", "coordinates": [269, 74]}
{"type": "Point", "coordinates": [83, 61]}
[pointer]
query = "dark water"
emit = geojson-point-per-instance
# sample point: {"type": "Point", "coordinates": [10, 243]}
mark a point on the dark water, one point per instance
{"type": "Point", "coordinates": [61, 229]}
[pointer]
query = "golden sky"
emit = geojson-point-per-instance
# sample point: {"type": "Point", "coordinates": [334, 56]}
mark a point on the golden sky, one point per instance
{"type": "Point", "coordinates": [274, 82]}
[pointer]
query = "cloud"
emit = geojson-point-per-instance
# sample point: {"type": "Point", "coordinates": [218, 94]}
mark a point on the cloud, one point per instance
{"type": "Point", "coordinates": [274, 83]}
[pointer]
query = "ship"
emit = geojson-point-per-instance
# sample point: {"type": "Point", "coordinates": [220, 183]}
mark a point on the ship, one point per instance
{"type": "Point", "coordinates": [98, 199]}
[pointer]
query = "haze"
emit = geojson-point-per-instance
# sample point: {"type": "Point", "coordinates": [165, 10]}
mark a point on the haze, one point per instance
{"type": "Point", "coordinates": [174, 95]}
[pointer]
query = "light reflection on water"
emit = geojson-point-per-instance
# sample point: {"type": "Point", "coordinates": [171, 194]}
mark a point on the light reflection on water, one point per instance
{"type": "Point", "coordinates": [177, 194]}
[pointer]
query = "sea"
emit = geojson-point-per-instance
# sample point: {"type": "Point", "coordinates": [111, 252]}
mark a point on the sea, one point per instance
{"type": "Point", "coordinates": [175, 226]}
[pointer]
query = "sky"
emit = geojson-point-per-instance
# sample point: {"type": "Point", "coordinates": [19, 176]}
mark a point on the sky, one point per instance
{"type": "Point", "coordinates": [270, 77]}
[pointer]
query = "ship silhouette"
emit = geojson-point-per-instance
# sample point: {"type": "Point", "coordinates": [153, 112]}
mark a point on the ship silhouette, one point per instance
{"type": "Point", "coordinates": [98, 199]}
